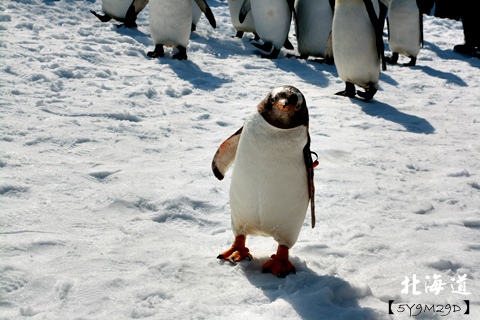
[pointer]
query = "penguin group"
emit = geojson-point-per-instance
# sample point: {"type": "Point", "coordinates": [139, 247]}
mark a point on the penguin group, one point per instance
{"type": "Point", "coordinates": [347, 33]}
{"type": "Point", "coordinates": [272, 182]}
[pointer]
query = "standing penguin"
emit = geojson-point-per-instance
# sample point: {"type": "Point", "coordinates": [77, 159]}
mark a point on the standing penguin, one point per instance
{"type": "Point", "coordinates": [405, 30]}
{"type": "Point", "coordinates": [272, 180]}
{"type": "Point", "coordinates": [171, 25]}
{"type": "Point", "coordinates": [358, 46]}
{"type": "Point", "coordinates": [272, 22]}
{"type": "Point", "coordinates": [313, 24]}
{"type": "Point", "coordinates": [125, 11]}
{"type": "Point", "coordinates": [248, 25]}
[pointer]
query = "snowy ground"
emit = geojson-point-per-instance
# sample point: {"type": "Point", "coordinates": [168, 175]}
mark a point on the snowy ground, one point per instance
{"type": "Point", "coordinates": [109, 209]}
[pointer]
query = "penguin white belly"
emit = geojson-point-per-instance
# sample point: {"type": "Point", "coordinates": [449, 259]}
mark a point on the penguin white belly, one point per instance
{"type": "Point", "coordinates": [117, 9]}
{"type": "Point", "coordinates": [170, 22]}
{"type": "Point", "coordinates": [248, 24]}
{"type": "Point", "coordinates": [404, 26]}
{"type": "Point", "coordinates": [313, 26]}
{"type": "Point", "coordinates": [269, 188]}
{"type": "Point", "coordinates": [272, 20]}
{"type": "Point", "coordinates": [354, 45]}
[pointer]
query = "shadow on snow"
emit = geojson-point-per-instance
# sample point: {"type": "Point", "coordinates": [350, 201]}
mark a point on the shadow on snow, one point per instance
{"type": "Point", "coordinates": [385, 111]}
{"type": "Point", "coordinates": [311, 295]}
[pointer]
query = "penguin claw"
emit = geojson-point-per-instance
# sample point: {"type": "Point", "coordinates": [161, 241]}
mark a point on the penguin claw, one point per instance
{"type": "Point", "coordinates": [237, 251]}
{"type": "Point", "coordinates": [278, 267]}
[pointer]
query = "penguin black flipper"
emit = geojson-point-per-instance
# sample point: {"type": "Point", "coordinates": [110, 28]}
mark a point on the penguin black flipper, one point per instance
{"type": "Point", "coordinates": [309, 165]}
{"type": "Point", "coordinates": [246, 7]}
{"type": "Point", "coordinates": [225, 155]}
{"type": "Point", "coordinates": [421, 8]}
{"type": "Point", "coordinates": [104, 18]}
{"type": "Point", "coordinates": [203, 5]}
{"type": "Point", "coordinates": [131, 16]}
{"type": "Point", "coordinates": [378, 31]}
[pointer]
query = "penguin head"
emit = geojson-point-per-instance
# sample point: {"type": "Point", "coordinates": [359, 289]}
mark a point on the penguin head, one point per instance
{"type": "Point", "coordinates": [284, 107]}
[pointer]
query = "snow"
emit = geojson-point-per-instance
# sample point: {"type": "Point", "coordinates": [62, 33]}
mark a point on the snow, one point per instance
{"type": "Point", "coordinates": [109, 208]}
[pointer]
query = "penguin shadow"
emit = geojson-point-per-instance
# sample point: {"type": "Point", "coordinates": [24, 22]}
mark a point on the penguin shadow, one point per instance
{"type": "Point", "coordinates": [447, 76]}
{"type": "Point", "coordinates": [385, 111]}
{"type": "Point", "coordinates": [312, 296]}
{"type": "Point", "coordinates": [308, 70]}
{"type": "Point", "coordinates": [449, 54]}
{"type": "Point", "coordinates": [134, 33]}
{"type": "Point", "coordinates": [190, 72]}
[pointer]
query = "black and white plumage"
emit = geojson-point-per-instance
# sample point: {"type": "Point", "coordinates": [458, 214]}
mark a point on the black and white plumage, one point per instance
{"type": "Point", "coordinates": [125, 11]}
{"type": "Point", "coordinates": [358, 46]}
{"type": "Point", "coordinates": [171, 25]}
{"type": "Point", "coordinates": [272, 180]}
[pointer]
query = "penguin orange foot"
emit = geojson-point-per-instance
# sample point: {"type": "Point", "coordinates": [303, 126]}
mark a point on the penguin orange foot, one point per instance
{"type": "Point", "coordinates": [279, 265]}
{"type": "Point", "coordinates": [237, 251]}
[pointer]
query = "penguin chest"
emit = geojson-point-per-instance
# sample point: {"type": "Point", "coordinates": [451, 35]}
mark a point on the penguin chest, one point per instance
{"type": "Point", "coordinates": [272, 20]}
{"type": "Point", "coordinates": [313, 26]}
{"type": "Point", "coordinates": [170, 22]}
{"type": "Point", "coordinates": [117, 9]}
{"type": "Point", "coordinates": [269, 188]}
{"type": "Point", "coordinates": [404, 27]}
{"type": "Point", "coordinates": [248, 24]}
{"type": "Point", "coordinates": [354, 44]}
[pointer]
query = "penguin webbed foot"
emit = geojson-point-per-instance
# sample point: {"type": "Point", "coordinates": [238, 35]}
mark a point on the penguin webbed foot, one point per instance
{"type": "Point", "coordinates": [393, 59]}
{"type": "Point", "coordinates": [181, 54]}
{"type": "Point", "coordinates": [237, 251]}
{"type": "Point", "coordinates": [368, 94]}
{"type": "Point", "coordinates": [412, 63]}
{"type": "Point", "coordinates": [103, 18]}
{"type": "Point", "coordinates": [157, 52]}
{"type": "Point", "coordinates": [348, 92]}
{"type": "Point", "coordinates": [279, 265]}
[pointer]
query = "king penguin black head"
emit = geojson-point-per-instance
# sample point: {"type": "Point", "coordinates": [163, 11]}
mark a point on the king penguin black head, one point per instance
{"type": "Point", "coordinates": [284, 107]}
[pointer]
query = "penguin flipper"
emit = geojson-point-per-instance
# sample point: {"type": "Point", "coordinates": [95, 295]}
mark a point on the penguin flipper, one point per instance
{"type": "Point", "coordinates": [246, 7]}
{"type": "Point", "coordinates": [225, 155]}
{"type": "Point", "coordinates": [377, 26]}
{"type": "Point", "coordinates": [309, 165]}
{"type": "Point", "coordinates": [203, 5]}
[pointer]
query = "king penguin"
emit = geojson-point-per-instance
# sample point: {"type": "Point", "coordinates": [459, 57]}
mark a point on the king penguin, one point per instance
{"type": "Point", "coordinates": [125, 11]}
{"type": "Point", "coordinates": [171, 25]}
{"type": "Point", "coordinates": [272, 22]}
{"type": "Point", "coordinates": [358, 46]}
{"type": "Point", "coordinates": [405, 30]}
{"type": "Point", "coordinates": [272, 180]}
{"type": "Point", "coordinates": [313, 24]}
{"type": "Point", "coordinates": [248, 25]}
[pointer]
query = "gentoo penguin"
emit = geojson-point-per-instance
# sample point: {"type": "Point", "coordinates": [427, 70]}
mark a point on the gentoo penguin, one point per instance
{"type": "Point", "coordinates": [313, 24]}
{"type": "Point", "coordinates": [248, 25]}
{"type": "Point", "coordinates": [171, 25]}
{"type": "Point", "coordinates": [405, 30]}
{"type": "Point", "coordinates": [125, 11]}
{"type": "Point", "coordinates": [272, 179]}
{"type": "Point", "coordinates": [272, 22]}
{"type": "Point", "coordinates": [358, 46]}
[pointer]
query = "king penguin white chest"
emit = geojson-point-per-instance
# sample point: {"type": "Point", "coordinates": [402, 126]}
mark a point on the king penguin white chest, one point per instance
{"type": "Point", "coordinates": [269, 189]}
{"type": "Point", "coordinates": [354, 44]}
{"type": "Point", "coordinates": [404, 27]}
{"type": "Point", "coordinates": [272, 20]}
{"type": "Point", "coordinates": [116, 9]}
{"type": "Point", "coordinates": [170, 22]}
{"type": "Point", "coordinates": [313, 26]}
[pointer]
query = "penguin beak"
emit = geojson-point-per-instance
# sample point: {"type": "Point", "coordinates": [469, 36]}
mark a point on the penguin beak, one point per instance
{"type": "Point", "coordinates": [283, 106]}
